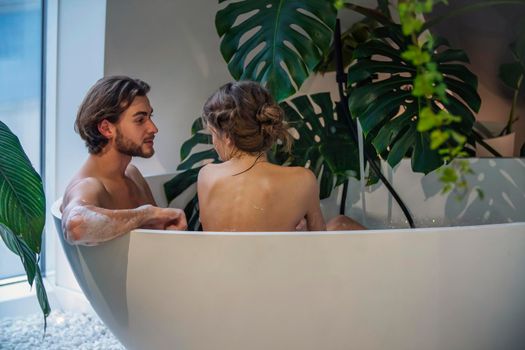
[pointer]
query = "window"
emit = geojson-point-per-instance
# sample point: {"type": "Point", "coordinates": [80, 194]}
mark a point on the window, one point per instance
{"type": "Point", "coordinates": [21, 67]}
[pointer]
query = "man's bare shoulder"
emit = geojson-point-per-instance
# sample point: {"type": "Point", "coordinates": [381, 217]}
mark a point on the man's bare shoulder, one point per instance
{"type": "Point", "coordinates": [84, 189]}
{"type": "Point", "coordinates": [89, 183]}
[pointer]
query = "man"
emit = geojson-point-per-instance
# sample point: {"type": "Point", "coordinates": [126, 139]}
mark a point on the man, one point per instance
{"type": "Point", "coordinates": [108, 197]}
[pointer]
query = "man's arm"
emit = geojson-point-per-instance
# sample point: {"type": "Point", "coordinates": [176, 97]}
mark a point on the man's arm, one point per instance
{"type": "Point", "coordinates": [84, 221]}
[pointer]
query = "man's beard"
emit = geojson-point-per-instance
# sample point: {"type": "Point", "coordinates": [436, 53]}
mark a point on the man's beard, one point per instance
{"type": "Point", "coordinates": [128, 147]}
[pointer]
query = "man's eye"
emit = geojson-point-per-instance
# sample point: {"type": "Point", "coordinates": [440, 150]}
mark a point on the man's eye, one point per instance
{"type": "Point", "coordinates": [140, 121]}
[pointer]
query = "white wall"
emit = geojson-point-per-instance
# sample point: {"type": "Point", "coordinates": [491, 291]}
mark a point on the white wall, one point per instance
{"type": "Point", "coordinates": [173, 46]}
{"type": "Point", "coordinates": [79, 64]}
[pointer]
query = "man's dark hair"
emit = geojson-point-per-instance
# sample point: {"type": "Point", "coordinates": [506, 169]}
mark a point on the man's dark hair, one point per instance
{"type": "Point", "coordinates": [107, 99]}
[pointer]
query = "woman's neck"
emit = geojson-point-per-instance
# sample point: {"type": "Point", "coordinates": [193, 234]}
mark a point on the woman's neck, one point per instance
{"type": "Point", "coordinates": [241, 157]}
{"type": "Point", "coordinates": [247, 161]}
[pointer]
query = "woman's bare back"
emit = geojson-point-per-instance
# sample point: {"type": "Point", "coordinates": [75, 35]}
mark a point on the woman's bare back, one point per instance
{"type": "Point", "coordinates": [266, 197]}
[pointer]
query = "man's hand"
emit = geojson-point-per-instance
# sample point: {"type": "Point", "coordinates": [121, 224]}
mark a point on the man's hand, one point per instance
{"type": "Point", "coordinates": [301, 226]}
{"type": "Point", "coordinates": [166, 219]}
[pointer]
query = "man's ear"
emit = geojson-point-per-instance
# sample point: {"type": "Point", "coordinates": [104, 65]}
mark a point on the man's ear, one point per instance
{"type": "Point", "coordinates": [106, 129]}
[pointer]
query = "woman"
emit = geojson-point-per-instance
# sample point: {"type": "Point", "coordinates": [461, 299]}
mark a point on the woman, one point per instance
{"type": "Point", "coordinates": [246, 192]}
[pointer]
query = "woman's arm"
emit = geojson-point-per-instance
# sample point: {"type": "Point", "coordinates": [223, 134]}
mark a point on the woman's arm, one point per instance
{"type": "Point", "coordinates": [314, 216]}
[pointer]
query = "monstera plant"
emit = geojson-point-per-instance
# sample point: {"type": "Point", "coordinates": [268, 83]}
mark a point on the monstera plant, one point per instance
{"type": "Point", "coordinates": [280, 43]}
{"type": "Point", "coordinates": [386, 103]}
{"type": "Point", "coordinates": [22, 210]}
{"type": "Point", "coordinates": [512, 75]}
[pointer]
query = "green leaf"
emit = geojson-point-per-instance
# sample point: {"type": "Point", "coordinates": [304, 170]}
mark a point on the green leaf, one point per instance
{"type": "Point", "coordinates": [324, 143]}
{"type": "Point", "coordinates": [260, 37]}
{"type": "Point", "coordinates": [381, 96]}
{"type": "Point", "coordinates": [427, 120]}
{"type": "Point", "coordinates": [448, 175]}
{"type": "Point", "coordinates": [460, 72]}
{"type": "Point", "coordinates": [180, 183]}
{"type": "Point", "coordinates": [357, 34]}
{"type": "Point", "coordinates": [510, 74]}
{"type": "Point", "coordinates": [41, 295]}
{"type": "Point", "coordinates": [22, 202]}
{"type": "Point", "coordinates": [466, 92]}
{"type": "Point", "coordinates": [390, 131]}
{"type": "Point", "coordinates": [192, 163]}
{"type": "Point", "coordinates": [16, 245]}
{"type": "Point", "coordinates": [326, 185]}
{"type": "Point", "coordinates": [364, 99]}
{"type": "Point", "coordinates": [30, 262]}
{"type": "Point", "coordinates": [451, 55]}
{"type": "Point", "coordinates": [425, 159]}
{"type": "Point", "coordinates": [381, 15]}
{"type": "Point", "coordinates": [400, 148]}
{"type": "Point", "coordinates": [198, 158]}
{"type": "Point", "coordinates": [376, 47]}
{"type": "Point", "coordinates": [363, 70]}
{"type": "Point", "coordinates": [191, 210]}
{"type": "Point", "coordinates": [188, 145]}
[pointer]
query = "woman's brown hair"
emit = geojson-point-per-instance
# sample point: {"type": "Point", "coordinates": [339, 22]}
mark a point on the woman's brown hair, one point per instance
{"type": "Point", "coordinates": [247, 113]}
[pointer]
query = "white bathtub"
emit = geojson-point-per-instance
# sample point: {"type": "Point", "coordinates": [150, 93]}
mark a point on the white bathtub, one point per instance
{"type": "Point", "coordinates": [433, 288]}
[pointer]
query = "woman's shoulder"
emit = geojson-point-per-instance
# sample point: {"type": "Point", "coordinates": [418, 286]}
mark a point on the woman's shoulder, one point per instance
{"type": "Point", "coordinates": [295, 176]}
{"type": "Point", "coordinates": [212, 172]}
{"type": "Point", "coordinates": [208, 170]}
{"type": "Point", "coordinates": [300, 171]}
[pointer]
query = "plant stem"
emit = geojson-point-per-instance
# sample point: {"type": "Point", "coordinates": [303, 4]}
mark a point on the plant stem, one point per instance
{"type": "Point", "coordinates": [508, 127]}
{"type": "Point", "coordinates": [479, 139]}
{"type": "Point", "coordinates": [370, 13]}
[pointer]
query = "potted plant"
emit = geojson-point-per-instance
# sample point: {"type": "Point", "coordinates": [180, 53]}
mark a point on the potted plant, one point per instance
{"type": "Point", "coordinates": [298, 35]}
{"type": "Point", "coordinates": [22, 210]}
{"type": "Point", "coordinates": [511, 74]}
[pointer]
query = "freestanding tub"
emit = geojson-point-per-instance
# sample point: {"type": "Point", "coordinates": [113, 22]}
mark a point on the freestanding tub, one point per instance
{"type": "Point", "coordinates": [430, 288]}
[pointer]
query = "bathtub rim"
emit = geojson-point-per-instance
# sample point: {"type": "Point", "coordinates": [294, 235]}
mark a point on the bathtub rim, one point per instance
{"type": "Point", "coordinates": [55, 211]}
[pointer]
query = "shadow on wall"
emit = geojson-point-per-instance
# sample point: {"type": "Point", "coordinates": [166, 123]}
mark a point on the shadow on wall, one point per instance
{"type": "Point", "coordinates": [502, 181]}
{"type": "Point", "coordinates": [503, 186]}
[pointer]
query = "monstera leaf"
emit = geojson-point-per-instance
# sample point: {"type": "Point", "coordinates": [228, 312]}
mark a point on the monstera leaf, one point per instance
{"type": "Point", "coordinates": [381, 82]}
{"type": "Point", "coordinates": [323, 141]}
{"type": "Point", "coordinates": [191, 164]}
{"type": "Point", "coordinates": [22, 209]}
{"type": "Point", "coordinates": [275, 42]}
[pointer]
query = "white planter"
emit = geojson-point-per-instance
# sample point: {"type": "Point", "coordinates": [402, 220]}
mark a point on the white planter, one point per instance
{"type": "Point", "coordinates": [503, 144]}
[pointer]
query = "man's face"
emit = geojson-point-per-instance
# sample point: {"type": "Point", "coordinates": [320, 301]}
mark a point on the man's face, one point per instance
{"type": "Point", "coordinates": [135, 130]}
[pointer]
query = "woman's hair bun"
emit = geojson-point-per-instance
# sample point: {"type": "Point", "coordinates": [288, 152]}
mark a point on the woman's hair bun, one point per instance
{"type": "Point", "coordinates": [248, 114]}
{"type": "Point", "coordinates": [270, 114]}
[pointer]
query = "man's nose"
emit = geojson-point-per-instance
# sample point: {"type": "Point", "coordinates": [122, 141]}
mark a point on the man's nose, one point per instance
{"type": "Point", "coordinates": [153, 127]}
